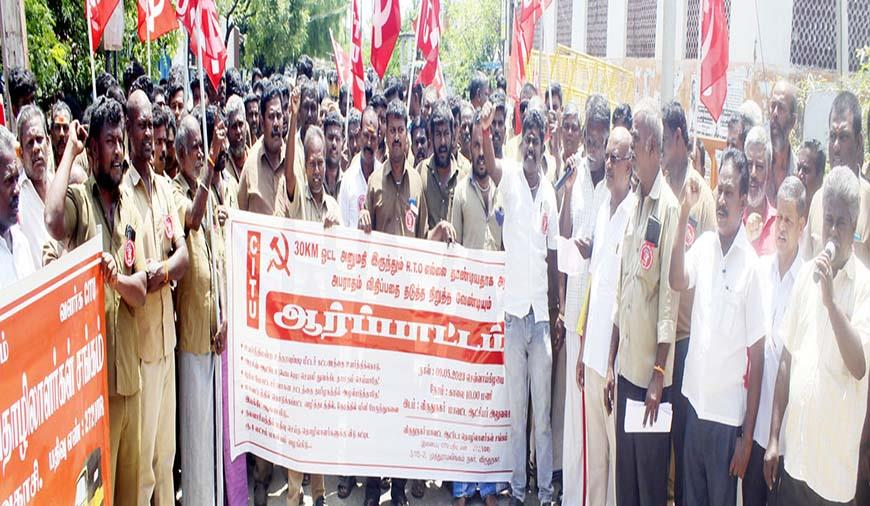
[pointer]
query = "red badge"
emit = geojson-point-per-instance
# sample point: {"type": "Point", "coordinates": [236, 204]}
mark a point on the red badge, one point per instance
{"type": "Point", "coordinates": [129, 253]}
{"type": "Point", "coordinates": [168, 226]}
{"type": "Point", "coordinates": [410, 220]}
{"type": "Point", "coordinates": [545, 224]}
{"type": "Point", "coordinates": [646, 255]}
{"type": "Point", "coordinates": [361, 202]}
{"type": "Point", "coordinates": [690, 235]}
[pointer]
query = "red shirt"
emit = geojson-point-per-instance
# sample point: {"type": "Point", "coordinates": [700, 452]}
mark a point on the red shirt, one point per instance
{"type": "Point", "coordinates": [765, 243]}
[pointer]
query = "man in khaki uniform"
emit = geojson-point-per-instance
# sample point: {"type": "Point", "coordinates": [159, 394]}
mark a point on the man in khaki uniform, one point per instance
{"type": "Point", "coordinates": [166, 261]}
{"type": "Point", "coordinates": [702, 218]}
{"type": "Point", "coordinates": [262, 173]}
{"type": "Point", "coordinates": [75, 214]}
{"type": "Point", "coordinates": [644, 321]}
{"type": "Point", "coordinates": [441, 172]}
{"type": "Point", "coordinates": [396, 204]}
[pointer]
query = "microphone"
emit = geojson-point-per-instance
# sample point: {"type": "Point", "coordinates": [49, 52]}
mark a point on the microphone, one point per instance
{"type": "Point", "coordinates": [561, 182]}
{"type": "Point", "coordinates": [830, 251]}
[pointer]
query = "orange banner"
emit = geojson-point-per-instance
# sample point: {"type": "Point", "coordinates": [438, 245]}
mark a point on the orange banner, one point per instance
{"type": "Point", "coordinates": [54, 401]}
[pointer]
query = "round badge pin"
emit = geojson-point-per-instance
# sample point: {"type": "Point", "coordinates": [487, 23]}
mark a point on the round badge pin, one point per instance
{"type": "Point", "coordinates": [410, 220]}
{"type": "Point", "coordinates": [167, 226]}
{"type": "Point", "coordinates": [690, 235]}
{"type": "Point", "coordinates": [361, 202]}
{"type": "Point", "coordinates": [646, 255]}
{"type": "Point", "coordinates": [129, 253]}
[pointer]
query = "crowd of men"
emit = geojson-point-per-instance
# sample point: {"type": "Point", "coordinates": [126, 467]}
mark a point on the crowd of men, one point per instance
{"type": "Point", "coordinates": [725, 327]}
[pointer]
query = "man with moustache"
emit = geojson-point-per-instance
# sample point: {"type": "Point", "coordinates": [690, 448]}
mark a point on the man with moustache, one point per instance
{"type": "Point", "coordinates": [419, 139]}
{"type": "Point", "coordinates": [333, 133]}
{"type": "Point", "coordinates": [810, 169]}
{"type": "Point", "coordinates": [777, 273]}
{"type": "Point", "coordinates": [352, 194]}
{"type": "Point", "coordinates": [571, 132]}
{"type": "Point", "coordinates": [760, 214]}
{"type": "Point", "coordinates": [728, 328]}
{"type": "Point", "coordinates": [60, 117]}
{"type": "Point", "coordinates": [237, 133]}
{"type": "Point", "coordinates": [161, 145]}
{"type": "Point", "coordinates": [440, 172]}
{"type": "Point", "coordinates": [466, 120]}
{"type": "Point", "coordinates": [581, 200]}
{"type": "Point", "coordinates": [166, 260]}
{"type": "Point", "coordinates": [820, 399]}
{"type": "Point", "coordinates": [252, 117]}
{"type": "Point", "coordinates": [353, 144]}
{"type": "Point", "coordinates": [478, 90]}
{"type": "Point", "coordinates": [15, 256]}
{"type": "Point", "coordinates": [499, 127]}
{"type": "Point", "coordinates": [36, 158]}
{"type": "Point", "coordinates": [782, 110]}
{"type": "Point", "coordinates": [611, 222]}
{"type": "Point", "coordinates": [73, 215]}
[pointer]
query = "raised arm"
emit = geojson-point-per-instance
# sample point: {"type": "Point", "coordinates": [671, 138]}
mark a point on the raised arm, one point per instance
{"type": "Point", "coordinates": [677, 278]}
{"type": "Point", "coordinates": [290, 153]}
{"type": "Point", "coordinates": [56, 196]}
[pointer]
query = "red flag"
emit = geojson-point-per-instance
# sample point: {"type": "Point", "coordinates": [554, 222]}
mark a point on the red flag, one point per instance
{"type": "Point", "coordinates": [214, 53]}
{"type": "Point", "coordinates": [386, 25]}
{"type": "Point", "coordinates": [429, 42]}
{"type": "Point", "coordinates": [186, 13]}
{"type": "Point", "coordinates": [2, 113]}
{"type": "Point", "coordinates": [359, 83]}
{"type": "Point", "coordinates": [714, 57]}
{"type": "Point", "coordinates": [342, 64]}
{"type": "Point", "coordinates": [162, 19]}
{"type": "Point", "coordinates": [100, 12]}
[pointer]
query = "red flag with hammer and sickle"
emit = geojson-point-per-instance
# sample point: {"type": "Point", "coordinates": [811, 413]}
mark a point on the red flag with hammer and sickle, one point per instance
{"type": "Point", "coordinates": [386, 25]}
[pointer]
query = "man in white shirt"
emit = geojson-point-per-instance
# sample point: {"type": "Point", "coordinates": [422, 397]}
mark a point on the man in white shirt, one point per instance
{"type": "Point", "coordinates": [529, 236]}
{"type": "Point", "coordinates": [594, 341]}
{"type": "Point", "coordinates": [727, 318]}
{"type": "Point", "coordinates": [15, 261]}
{"type": "Point", "coordinates": [821, 386]}
{"type": "Point", "coordinates": [36, 157]}
{"type": "Point", "coordinates": [354, 186]}
{"type": "Point", "coordinates": [581, 201]}
{"type": "Point", "coordinates": [777, 273]}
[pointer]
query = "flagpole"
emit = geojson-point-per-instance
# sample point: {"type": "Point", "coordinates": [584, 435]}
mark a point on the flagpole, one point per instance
{"type": "Point", "coordinates": [91, 51]}
{"type": "Point", "coordinates": [148, 33]}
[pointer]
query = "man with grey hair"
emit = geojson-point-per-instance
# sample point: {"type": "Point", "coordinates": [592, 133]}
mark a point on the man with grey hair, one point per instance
{"type": "Point", "coordinates": [747, 117]}
{"type": "Point", "coordinates": [237, 135]}
{"type": "Point", "coordinates": [38, 162]}
{"type": "Point", "coordinates": [782, 110]}
{"type": "Point", "coordinates": [759, 214]}
{"type": "Point", "coordinates": [777, 272]}
{"type": "Point", "coordinates": [644, 323]}
{"type": "Point", "coordinates": [15, 259]}
{"type": "Point", "coordinates": [820, 399]}
{"type": "Point", "coordinates": [60, 117]}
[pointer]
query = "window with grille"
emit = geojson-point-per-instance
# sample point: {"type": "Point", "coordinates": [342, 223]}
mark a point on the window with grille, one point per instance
{"type": "Point", "coordinates": [859, 30]}
{"type": "Point", "coordinates": [814, 33]}
{"type": "Point", "coordinates": [596, 28]}
{"type": "Point", "coordinates": [564, 14]}
{"type": "Point", "coordinates": [693, 26]}
{"type": "Point", "coordinates": [640, 29]}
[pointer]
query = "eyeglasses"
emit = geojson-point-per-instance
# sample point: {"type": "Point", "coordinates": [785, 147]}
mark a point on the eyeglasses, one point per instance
{"type": "Point", "coordinates": [614, 158]}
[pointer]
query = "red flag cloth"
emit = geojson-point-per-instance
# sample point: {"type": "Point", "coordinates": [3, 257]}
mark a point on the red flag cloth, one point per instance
{"type": "Point", "coordinates": [714, 57]}
{"type": "Point", "coordinates": [359, 83]}
{"type": "Point", "coordinates": [100, 12]}
{"type": "Point", "coordinates": [186, 13]}
{"type": "Point", "coordinates": [386, 25]}
{"type": "Point", "coordinates": [214, 53]}
{"type": "Point", "coordinates": [429, 43]}
{"type": "Point", "coordinates": [342, 64]}
{"type": "Point", "coordinates": [162, 20]}
{"type": "Point", "coordinates": [2, 113]}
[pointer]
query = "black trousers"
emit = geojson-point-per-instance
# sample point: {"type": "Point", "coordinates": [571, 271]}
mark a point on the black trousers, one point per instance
{"type": "Point", "coordinates": [678, 425]}
{"type": "Point", "coordinates": [755, 491]}
{"type": "Point", "coordinates": [642, 460]}
{"type": "Point", "coordinates": [373, 488]}
{"type": "Point", "coordinates": [709, 449]}
{"type": "Point", "coordinates": [793, 492]}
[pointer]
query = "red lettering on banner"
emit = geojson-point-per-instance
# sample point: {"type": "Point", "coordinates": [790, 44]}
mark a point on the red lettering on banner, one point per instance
{"type": "Point", "coordinates": [253, 280]}
{"type": "Point", "coordinates": [314, 320]}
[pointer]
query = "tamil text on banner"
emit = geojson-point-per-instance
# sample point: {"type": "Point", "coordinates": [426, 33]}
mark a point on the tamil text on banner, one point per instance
{"type": "Point", "coordinates": [365, 355]}
{"type": "Point", "coordinates": [53, 391]}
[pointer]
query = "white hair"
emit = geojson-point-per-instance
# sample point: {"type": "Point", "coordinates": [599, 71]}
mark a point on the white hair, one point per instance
{"type": "Point", "coordinates": [841, 184]}
{"type": "Point", "coordinates": [750, 114]}
{"type": "Point", "coordinates": [651, 115]}
{"type": "Point", "coordinates": [7, 142]}
{"type": "Point", "coordinates": [184, 136]}
{"type": "Point", "coordinates": [235, 105]}
{"type": "Point", "coordinates": [793, 190]}
{"type": "Point", "coordinates": [758, 136]}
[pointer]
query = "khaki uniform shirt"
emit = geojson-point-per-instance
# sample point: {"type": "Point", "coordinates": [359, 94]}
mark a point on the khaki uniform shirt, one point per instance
{"type": "Point", "coordinates": [260, 180]}
{"type": "Point", "coordinates": [473, 216]}
{"type": "Point", "coordinates": [83, 213]}
{"type": "Point", "coordinates": [702, 218]}
{"type": "Point", "coordinates": [303, 206]}
{"type": "Point", "coordinates": [158, 213]}
{"type": "Point", "coordinates": [398, 208]}
{"type": "Point", "coordinates": [861, 245]}
{"type": "Point", "coordinates": [439, 200]}
{"type": "Point", "coordinates": [646, 307]}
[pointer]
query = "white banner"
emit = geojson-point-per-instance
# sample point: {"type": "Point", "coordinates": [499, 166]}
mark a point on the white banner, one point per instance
{"type": "Point", "coordinates": [365, 355]}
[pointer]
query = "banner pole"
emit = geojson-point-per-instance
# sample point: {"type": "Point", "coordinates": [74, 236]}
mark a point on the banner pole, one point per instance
{"type": "Point", "coordinates": [91, 51]}
{"type": "Point", "coordinates": [148, 34]}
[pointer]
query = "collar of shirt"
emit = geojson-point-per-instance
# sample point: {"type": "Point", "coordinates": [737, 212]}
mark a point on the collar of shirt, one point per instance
{"type": "Point", "coordinates": [15, 260]}
{"type": "Point", "coordinates": [741, 242]}
{"type": "Point", "coordinates": [261, 155]}
{"type": "Point", "coordinates": [388, 169]}
{"type": "Point", "coordinates": [432, 169]}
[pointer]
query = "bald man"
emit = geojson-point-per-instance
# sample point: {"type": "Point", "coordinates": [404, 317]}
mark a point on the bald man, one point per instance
{"type": "Point", "coordinates": [166, 261]}
{"type": "Point", "coordinates": [782, 111]}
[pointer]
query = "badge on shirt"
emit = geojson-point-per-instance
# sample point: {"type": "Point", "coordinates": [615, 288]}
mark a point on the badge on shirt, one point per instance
{"type": "Point", "coordinates": [411, 215]}
{"type": "Point", "coordinates": [499, 216]}
{"type": "Point", "coordinates": [361, 202]}
{"type": "Point", "coordinates": [690, 232]}
{"type": "Point", "coordinates": [129, 247]}
{"type": "Point", "coordinates": [646, 255]}
{"type": "Point", "coordinates": [167, 226]}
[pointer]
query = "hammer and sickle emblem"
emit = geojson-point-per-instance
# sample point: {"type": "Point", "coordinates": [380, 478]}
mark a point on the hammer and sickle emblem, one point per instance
{"type": "Point", "coordinates": [281, 254]}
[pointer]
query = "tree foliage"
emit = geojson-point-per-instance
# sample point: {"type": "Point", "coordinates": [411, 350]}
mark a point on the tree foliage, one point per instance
{"type": "Point", "coordinates": [471, 37]}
